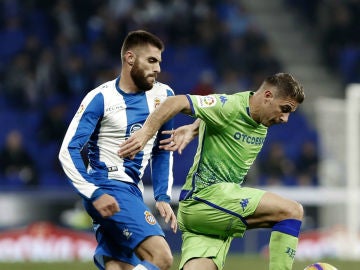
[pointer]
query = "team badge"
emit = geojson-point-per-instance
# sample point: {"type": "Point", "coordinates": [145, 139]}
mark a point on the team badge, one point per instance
{"type": "Point", "coordinates": [206, 101]}
{"type": "Point", "coordinates": [149, 218]}
{"type": "Point", "coordinates": [156, 102]}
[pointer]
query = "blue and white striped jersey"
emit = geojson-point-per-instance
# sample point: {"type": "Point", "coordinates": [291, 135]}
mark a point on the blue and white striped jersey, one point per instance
{"type": "Point", "coordinates": [106, 117]}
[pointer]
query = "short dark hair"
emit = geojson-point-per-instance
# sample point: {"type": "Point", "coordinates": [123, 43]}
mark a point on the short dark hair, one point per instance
{"type": "Point", "coordinates": [140, 38]}
{"type": "Point", "coordinates": [287, 86]}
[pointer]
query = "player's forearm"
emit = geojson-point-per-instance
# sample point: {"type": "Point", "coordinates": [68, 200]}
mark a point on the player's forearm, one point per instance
{"type": "Point", "coordinates": [167, 110]}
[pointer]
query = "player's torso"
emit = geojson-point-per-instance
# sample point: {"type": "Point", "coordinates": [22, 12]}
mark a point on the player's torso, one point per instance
{"type": "Point", "coordinates": [226, 153]}
{"type": "Point", "coordinates": [123, 115]}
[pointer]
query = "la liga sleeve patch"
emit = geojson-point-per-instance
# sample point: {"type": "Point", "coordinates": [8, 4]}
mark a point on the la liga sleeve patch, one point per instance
{"type": "Point", "coordinates": [206, 101]}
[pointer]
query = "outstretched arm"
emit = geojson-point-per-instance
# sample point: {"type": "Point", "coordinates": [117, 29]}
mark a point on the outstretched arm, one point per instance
{"type": "Point", "coordinates": [167, 110]}
{"type": "Point", "coordinates": [180, 137]}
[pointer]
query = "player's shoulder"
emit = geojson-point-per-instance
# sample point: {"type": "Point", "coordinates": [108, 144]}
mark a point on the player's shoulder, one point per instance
{"type": "Point", "coordinates": [106, 86]}
{"type": "Point", "coordinates": [104, 89]}
{"type": "Point", "coordinates": [99, 92]}
{"type": "Point", "coordinates": [242, 97]}
{"type": "Point", "coordinates": [227, 100]}
{"type": "Point", "coordinates": [241, 94]}
{"type": "Point", "coordinates": [160, 88]}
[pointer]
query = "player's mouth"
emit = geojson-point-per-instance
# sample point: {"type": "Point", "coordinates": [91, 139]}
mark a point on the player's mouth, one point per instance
{"type": "Point", "coordinates": [152, 78]}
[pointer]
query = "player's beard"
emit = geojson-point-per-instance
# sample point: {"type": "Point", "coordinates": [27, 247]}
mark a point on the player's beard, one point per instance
{"type": "Point", "coordinates": [139, 78]}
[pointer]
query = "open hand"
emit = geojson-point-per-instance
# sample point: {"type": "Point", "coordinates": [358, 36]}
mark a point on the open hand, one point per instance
{"type": "Point", "coordinates": [179, 138]}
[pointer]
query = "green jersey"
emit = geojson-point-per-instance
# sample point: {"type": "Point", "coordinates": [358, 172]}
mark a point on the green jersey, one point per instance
{"type": "Point", "coordinates": [229, 139]}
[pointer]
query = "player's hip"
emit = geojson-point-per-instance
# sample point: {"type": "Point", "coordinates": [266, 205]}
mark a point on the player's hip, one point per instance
{"type": "Point", "coordinates": [220, 209]}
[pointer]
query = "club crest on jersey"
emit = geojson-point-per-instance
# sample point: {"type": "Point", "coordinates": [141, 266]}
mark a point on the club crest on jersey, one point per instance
{"type": "Point", "coordinates": [135, 127]}
{"type": "Point", "coordinates": [206, 101]}
{"type": "Point", "coordinates": [157, 102]}
{"type": "Point", "coordinates": [149, 218]}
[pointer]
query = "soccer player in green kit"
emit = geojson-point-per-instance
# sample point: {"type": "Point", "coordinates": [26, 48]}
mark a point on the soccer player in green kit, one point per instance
{"type": "Point", "coordinates": [214, 207]}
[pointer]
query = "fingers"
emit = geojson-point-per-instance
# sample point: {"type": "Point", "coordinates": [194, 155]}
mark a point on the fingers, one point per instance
{"type": "Point", "coordinates": [128, 154]}
{"type": "Point", "coordinates": [116, 207]}
{"type": "Point", "coordinates": [106, 205]}
{"type": "Point", "coordinates": [109, 211]}
{"type": "Point", "coordinates": [166, 141]}
{"type": "Point", "coordinates": [168, 132]}
{"type": "Point", "coordinates": [167, 213]}
{"type": "Point", "coordinates": [173, 223]}
{"type": "Point", "coordinates": [178, 141]}
{"type": "Point", "coordinates": [171, 146]}
{"type": "Point", "coordinates": [181, 147]}
{"type": "Point", "coordinates": [129, 148]}
{"type": "Point", "coordinates": [127, 151]}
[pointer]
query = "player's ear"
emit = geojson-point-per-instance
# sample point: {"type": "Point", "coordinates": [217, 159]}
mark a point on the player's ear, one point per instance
{"type": "Point", "coordinates": [268, 93]}
{"type": "Point", "coordinates": [130, 58]}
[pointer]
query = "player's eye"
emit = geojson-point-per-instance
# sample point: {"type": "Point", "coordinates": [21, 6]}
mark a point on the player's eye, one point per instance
{"type": "Point", "coordinates": [286, 109]}
{"type": "Point", "coordinates": [152, 60]}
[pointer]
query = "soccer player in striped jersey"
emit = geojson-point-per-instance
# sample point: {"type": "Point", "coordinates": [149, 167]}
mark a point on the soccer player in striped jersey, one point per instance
{"type": "Point", "coordinates": [214, 207]}
{"type": "Point", "coordinates": [127, 233]}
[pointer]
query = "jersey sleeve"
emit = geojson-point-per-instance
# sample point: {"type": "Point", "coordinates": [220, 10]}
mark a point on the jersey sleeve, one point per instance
{"type": "Point", "coordinates": [215, 110]}
{"type": "Point", "coordinates": [161, 164]}
{"type": "Point", "coordinates": [161, 168]}
{"type": "Point", "coordinates": [80, 129]}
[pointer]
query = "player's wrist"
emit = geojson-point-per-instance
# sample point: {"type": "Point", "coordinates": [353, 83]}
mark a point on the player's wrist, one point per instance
{"type": "Point", "coordinates": [163, 198]}
{"type": "Point", "coordinates": [97, 193]}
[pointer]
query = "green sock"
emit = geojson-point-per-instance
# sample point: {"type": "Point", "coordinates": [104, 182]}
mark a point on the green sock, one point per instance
{"type": "Point", "coordinates": [282, 250]}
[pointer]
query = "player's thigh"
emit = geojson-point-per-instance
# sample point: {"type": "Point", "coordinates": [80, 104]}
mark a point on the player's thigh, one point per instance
{"type": "Point", "coordinates": [196, 246]}
{"type": "Point", "coordinates": [220, 209]}
{"type": "Point", "coordinates": [273, 208]}
{"type": "Point", "coordinates": [131, 226]}
{"type": "Point", "coordinates": [154, 247]}
{"type": "Point", "coordinates": [120, 234]}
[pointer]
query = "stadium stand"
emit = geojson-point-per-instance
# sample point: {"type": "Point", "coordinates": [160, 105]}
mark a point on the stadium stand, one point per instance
{"type": "Point", "coordinates": [58, 51]}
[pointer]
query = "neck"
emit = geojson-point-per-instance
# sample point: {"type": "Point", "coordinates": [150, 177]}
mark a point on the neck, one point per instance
{"type": "Point", "coordinates": [253, 107]}
{"type": "Point", "coordinates": [126, 83]}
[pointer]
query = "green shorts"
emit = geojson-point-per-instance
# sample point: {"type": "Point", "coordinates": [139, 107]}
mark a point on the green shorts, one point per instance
{"type": "Point", "coordinates": [212, 217]}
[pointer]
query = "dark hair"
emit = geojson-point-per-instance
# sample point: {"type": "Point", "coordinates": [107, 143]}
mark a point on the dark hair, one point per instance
{"type": "Point", "coordinates": [140, 38]}
{"type": "Point", "coordinates": [287, 86]}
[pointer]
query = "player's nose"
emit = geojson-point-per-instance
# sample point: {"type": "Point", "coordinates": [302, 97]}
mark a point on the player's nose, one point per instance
{"type": "Point", "coordinates": [284, 118]}
{"type": "Point", "coordinates": [157, 68]}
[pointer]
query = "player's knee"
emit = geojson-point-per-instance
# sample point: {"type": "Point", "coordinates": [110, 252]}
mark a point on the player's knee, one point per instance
{"type": "Point", "coordinates": [168, 261]}
{"type": "Point", "coordinates": [165, 261]}
{"type": "Point", "coordinates": [291, 210]}
{"type": "Point", "coordinates": [296, 211]}
{"type": "Point", "coordinates": [156, 251]}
